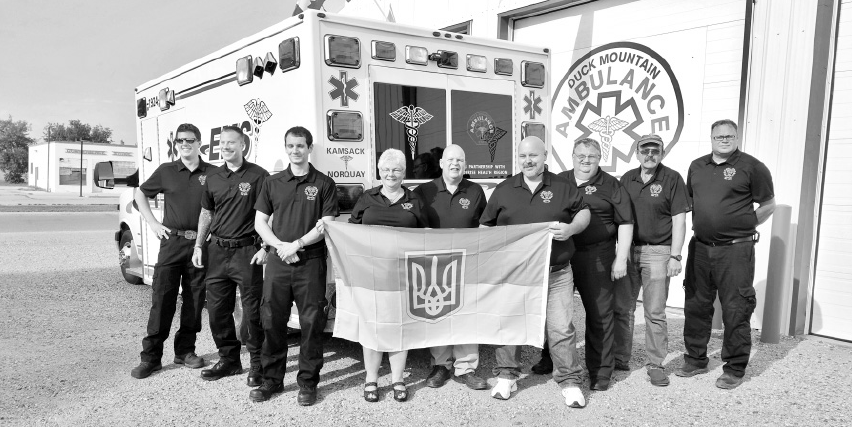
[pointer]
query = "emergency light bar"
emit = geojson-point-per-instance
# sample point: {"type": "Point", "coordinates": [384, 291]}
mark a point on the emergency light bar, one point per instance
{"type": "Point", "coordinates": [386, 51]}
{"type": "Point", "coordinates": [503, 66]}
{"type": "Point", "coordinates": [244, 70]}
{"type": "Point", "coordinates": [345, 126]}
{"type": "Point", "coordinates": [257, 69]}
{"type": "Point", "coordinates": [532, 74]}
{"type": "Point", "coordinates": [342, 51]}
{"type": "Point", "coordinates": [477, 63]}
{"type": "Point", "coordinates": [416, 55]}
{"type": "Point", "coordinates": [165, 99]}
{"type": "Point", "coordinates": [533, 129]}
{"type": "Point", "coordinates": [269, 63]}
{"type": "Point", "coordinates": [288, 54]}
{"type": "Point", "coordinates": [445, 59]}
{"type": "Point", "coordinates": [141, 108]}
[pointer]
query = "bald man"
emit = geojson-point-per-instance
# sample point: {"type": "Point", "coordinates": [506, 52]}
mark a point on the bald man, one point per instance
{"type": "Point", "coordinates": [536, 195]}
{"type": "Point", "coordinates": [453, 202]}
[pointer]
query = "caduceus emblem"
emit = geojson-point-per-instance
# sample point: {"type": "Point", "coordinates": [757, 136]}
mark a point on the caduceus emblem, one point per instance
{"type": "Point", "coordinates": [435, 284]}
{"type": "Point", "coordinates": [258, 113]}
{"type": "Point", "coordinates": [411, 117]}
{"type": "Point", "coordinates": [483, 131]}
{"type": "Point", "coordinates": [606, 127]}
{"type": "Point", "coordinates": [346, 160]}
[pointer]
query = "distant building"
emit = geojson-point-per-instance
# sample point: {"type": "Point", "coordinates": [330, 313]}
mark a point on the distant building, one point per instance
{"type": "Point", "coordinates": [55, 166]}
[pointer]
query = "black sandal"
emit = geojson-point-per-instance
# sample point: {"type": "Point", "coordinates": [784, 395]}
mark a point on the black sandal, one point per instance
{"type": "Point", "coordinates": [400, 395]}
{"type": "Point", "coordinates": [371, 395]}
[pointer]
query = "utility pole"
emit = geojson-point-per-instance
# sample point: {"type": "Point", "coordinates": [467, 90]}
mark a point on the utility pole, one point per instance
{"type": "Point", "coordinates": [47, 186]}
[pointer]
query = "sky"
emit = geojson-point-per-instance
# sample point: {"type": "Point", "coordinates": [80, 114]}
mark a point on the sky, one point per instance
{"type": "Point", "coordinates": [81, 59]}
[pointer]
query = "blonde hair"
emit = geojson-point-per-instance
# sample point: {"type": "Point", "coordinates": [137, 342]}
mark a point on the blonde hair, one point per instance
{"type": "Point", "coordinates": [392, 155]}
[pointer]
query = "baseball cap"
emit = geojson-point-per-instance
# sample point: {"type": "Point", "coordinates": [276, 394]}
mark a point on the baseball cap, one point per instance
{"type": "Point", "coordinates": [648, 140]}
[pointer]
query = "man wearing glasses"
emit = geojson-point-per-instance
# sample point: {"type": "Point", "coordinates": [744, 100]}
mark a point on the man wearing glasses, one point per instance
{"type": "Point", "coordinates": [181, 182]}
{"type": "Point", "coordinates": [660, 204]}
{"type": "Point", "coordinates": [725, 185]}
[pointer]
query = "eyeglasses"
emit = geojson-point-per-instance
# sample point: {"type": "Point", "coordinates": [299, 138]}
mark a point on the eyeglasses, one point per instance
{"type": "Point", "coordinates": [724, 137]}
{"type": "Point", "coordinates": [185, 140]}
{"type": "Point", "coordinates": [582, 157]}
{"type": "Point", "coordinates": [650, 151]}
{"type": "Point", "coordinates": [394, 171]}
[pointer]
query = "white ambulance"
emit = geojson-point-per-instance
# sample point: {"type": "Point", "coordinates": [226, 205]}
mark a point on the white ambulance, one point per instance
{"type": "Point", "coordinates": [360, 86]}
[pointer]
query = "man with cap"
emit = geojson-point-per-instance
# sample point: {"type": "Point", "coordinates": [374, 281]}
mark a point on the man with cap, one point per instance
{"type": "Point", "coordinates": [295, 198]}
{"type": "Point", "coordinates": [181, 183]}
{"type": "Point", "coordinates": [453, 202]}
{"type": "Point", "coordinates": [235, 257]}
{"type": "Point", "coordinates": [724, 185]}
{"type": "Point", "coordinates": [660, 203]}
{"type": "Point", "coordinates": [536, 195]}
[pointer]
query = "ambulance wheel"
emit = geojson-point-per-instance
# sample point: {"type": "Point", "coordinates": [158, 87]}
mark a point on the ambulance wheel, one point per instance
{"type": "Point", "coordinates": [127, 241]}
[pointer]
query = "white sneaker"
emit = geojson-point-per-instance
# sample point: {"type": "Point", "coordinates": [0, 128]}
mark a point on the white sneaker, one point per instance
{"type": "Point", "coordinates": [574, 397]}
{"type": "Point", "coordinates": [504, 388]}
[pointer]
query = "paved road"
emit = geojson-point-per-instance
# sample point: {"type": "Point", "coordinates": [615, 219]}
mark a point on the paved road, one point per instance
{"type": "Point", "coordinates": [43, 222]}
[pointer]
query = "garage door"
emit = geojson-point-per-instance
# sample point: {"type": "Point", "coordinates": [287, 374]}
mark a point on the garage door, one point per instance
{"type": "Point", "coordinates": [831, 313]}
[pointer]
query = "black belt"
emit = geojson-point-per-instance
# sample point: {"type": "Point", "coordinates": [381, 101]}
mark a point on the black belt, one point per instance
{"type": "Point", "coordinates": [187, 234]}
{"type": "Point", "coordinates": [317, 252]}
{"type": "Point", "coordinates": [235, 243]}
{"type": "Point", "coordinates": [753, 238]}
{"type": "Point", "coordinates": [555, 268]}
{"type": "Point", "coordinates": [638, 243]}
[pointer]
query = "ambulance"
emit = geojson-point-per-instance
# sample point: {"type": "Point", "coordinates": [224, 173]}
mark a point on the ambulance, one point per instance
{"type": "Point", "coordinates": [360, 86]}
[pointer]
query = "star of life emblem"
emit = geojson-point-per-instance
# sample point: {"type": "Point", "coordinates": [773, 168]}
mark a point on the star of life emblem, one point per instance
{"type": "Point", "coordinates": [411, 117]}
{"type": "Point", "coordinates": [434, 284]}
{"type": "Point", "coordinates": [465, 203]}
{"type": "Point", "coordinates": [407, 206]}
{"type": "Point", "coordinates": [202, 179]}
{"type": "Point", "coordinates": [729, 173]}
{"type": "Point", "coordinates": [245, 187]}
{"type": "Point", "coordinates": [311, 192]}
{"type": "Point", "coordinates": [591, 189]}
{"type": "Point", "coordinates": [656, 189]}
{"type": "Point", "coordinates": [546, 196]}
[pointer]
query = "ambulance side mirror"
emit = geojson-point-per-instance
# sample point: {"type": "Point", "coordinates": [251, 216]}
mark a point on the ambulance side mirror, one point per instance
{"type": "Point", "coordinates": [103, 175]}
{"type": "Point", "coordinates": [147, 154]}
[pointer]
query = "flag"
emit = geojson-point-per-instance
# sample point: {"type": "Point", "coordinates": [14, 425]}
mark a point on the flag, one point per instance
{"type": "Point", "coordinates": [406, 288]}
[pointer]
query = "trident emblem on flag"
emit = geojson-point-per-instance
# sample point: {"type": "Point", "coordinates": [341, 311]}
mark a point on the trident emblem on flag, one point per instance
{"type": "Point", "coordinates": [258, 113]}
{"type": "Point", "coordinates": [607, 127]}
{"type": "Point", "coordinates": [435, 281]}
{"type": "Point", "coordinates": [412, 117]}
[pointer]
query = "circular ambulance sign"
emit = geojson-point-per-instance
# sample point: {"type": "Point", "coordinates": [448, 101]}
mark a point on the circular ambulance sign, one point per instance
{"type": "Point", "coordinates": [615, 94]}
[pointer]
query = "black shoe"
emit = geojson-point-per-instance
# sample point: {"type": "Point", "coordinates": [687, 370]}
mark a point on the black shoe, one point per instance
{"type": "Point", "coordinates": [255, 375]}
{"type": "Point", "coordinates": [145, 369]}
{"type": "Point", "coordinates": [688, 370]}
{"type": "Point", "coordinates": [371, 396]}
{"type": "Point", "coordinates": [438, 377]}
{"type": "Point", "coordinates": [307, 397]}
{"type": "Point", "coordinates": [222, 368]}
{"type": "Point", "coordinates": [265, 391]}
{"type": "Point", "coordinates": [472, 381]}
{"type": "Point", "coordinates": [544, 366]}
{"type": "Point", "coordinates": [658, 377]}
{"type": "Point", "coordinates": [190, 360]}
{"type": "Point", "coordinates": [600, 384]}
{"type": "Point", "coordinates": [400, 395]}
{"type": "Point", "coordinates": [622, 366]}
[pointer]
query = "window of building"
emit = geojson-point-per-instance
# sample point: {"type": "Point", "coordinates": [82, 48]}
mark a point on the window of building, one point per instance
{"type": "Point", "coordinates": [461, 28]}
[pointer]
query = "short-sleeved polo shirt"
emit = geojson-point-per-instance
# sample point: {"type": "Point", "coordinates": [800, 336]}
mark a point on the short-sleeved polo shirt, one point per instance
{"type": "Point", "coordinates": [373, 208]}
{"type": "Point", "coordinates": [181, 189]}
{"type": "Point", "coordinates": [555, 199]}
{"type": "Point", "coordinates": [231, 196]}
{"type": "Point", "coordinates": [609, 204]}
{"type": "Point", "coordinates": [724, 195]}
{"type": "Point", "coordinates": [655, 203]}
{"type": "Point", "coordinates": [461, 209]}
{"type": "Point", "coordinates": [297, 202]}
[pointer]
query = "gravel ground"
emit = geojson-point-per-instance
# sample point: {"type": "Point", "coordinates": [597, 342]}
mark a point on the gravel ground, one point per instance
{"type": "Point", "coordinates": [70, 331]}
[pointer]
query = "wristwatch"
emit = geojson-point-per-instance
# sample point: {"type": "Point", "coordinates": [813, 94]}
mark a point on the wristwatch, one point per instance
{"type": "Point", "coordinates": [677, 257]}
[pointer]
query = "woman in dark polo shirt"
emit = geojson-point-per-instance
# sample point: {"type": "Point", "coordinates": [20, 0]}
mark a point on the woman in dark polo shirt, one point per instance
{"type": "Point", "coordinates": [393, 205]}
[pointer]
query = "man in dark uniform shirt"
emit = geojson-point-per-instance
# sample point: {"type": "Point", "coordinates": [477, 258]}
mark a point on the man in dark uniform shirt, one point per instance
{"type": "Point", "coordinates": [296, 269]}
{"type": "Point", "coordinates": [453, 202]}
{"type": "Point", "coordinates": [724, 185]}
{"type": "Point", "coordinates": [536, 195]}
{"type": "Point", "coordinates": [182, 183]}
{"type": "Point", "coordinates": [660, 204]}
{"type": "Point", "coordinates": [235, 257]}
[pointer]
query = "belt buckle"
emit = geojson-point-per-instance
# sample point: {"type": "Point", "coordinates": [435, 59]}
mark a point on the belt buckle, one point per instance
{"type": "Point", "coordinates": [190, 234]}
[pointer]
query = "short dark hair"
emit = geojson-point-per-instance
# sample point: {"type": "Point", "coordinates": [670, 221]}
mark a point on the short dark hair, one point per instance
{"type": "Point", "coordinates": [189, 127]}
{"type": "Point", "coordinates": [723, 122]}
{"type": "Point", "coordinates": [239, 131]}
{"type": "Point", "coordinates": [302, 132]}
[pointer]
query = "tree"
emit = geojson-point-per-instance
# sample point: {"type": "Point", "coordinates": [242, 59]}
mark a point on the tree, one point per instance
{"type": "Point", "coordinates": [14, 151]}
{"type": "Point", "coordinates": [101, 134]}
{"type": "Point", "coordinates": [76, 130]}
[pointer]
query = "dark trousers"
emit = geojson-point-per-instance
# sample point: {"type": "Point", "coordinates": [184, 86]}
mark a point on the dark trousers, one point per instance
{"type": "Point", "coordinates": [730, 270]}
{"type": "Point", "coordinates": [174, 273]}
{"type": "Point", "coordinates": [227, 270]}
{"type": "Point", "coordinates": [593, 278]}
{"type": "Point", "coordinates": [302, 282]}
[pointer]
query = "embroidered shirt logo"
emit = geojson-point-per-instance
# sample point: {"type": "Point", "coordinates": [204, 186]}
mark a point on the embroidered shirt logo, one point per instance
{"type": "Point", "coordinates": [245, 188]}
{"type": "Point", "coordinates": [656, 189]}
{"type": "Point", "coordinates": [407, 206]}
{"type": "Point", "coordinates": [311, 192]}
{"type": "Point", "coordinates": [546, 196]}
{"type": "Point", "coordinates": [465, 203]}
{"type": "Point", "coordinates": [729, 173]}
{"type": "Point", "coordinates": [202, 179]}
{"type": "Point", "coordinates": [591, 189]}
